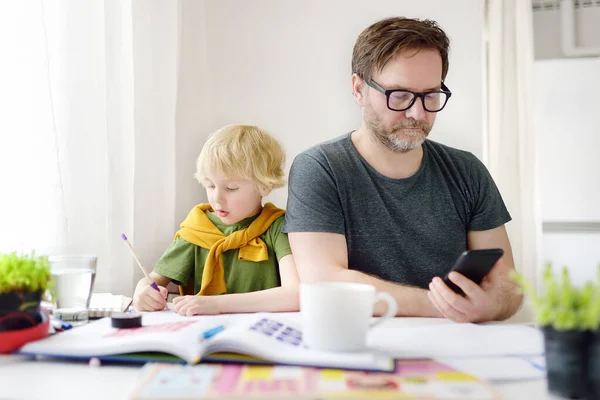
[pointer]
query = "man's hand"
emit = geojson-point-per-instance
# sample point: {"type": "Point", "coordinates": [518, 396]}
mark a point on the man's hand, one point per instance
{"type": "Point", "coordinates": [497, 297]}
{"type": "Point", "coordinates": [480, 303]}
{"type": "Point", "coordinates": [196, 305]}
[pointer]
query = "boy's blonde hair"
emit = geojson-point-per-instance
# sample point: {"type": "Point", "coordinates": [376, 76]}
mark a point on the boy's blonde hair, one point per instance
{"type": "Point", "coordinates": [243, 151]}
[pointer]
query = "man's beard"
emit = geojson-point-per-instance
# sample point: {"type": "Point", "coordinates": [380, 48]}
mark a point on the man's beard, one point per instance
{"type": "Point", "coordinates": [395, 138]}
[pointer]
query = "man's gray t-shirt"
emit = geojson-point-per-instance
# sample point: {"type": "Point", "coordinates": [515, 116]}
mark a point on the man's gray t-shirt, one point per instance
{"type": "Point", "coordinates": [402, 230]}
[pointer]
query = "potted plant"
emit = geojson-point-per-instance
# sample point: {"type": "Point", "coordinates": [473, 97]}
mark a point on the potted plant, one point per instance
{"type": "Point", "coordinates": [24, 280]}
{"type": "Point", "coordinates": [569, 318]}
{"type": "Point", "coordinates": [591, 321]}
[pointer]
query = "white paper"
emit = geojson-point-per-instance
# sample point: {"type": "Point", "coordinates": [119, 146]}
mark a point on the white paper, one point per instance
{"type": "Point", "coordinates": [108, 301]}
{"type": "Point", "coordinates": [458, 340]}
{"type": "Point", "coordinates": [498, 368]}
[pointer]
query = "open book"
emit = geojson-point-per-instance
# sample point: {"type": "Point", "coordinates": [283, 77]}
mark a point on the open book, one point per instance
{"type": "Point", "coordinates": [422, 379]}
{"type": "Point", "coordinates": [253, 338]}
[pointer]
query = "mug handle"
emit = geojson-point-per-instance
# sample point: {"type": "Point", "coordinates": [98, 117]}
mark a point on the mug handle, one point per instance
{"type": "Point", "coordinates": [391, 310]}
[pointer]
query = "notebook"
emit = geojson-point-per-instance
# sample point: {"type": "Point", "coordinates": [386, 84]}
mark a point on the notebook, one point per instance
{"type": "Point", "coordinates": [261, 338]}
{"type": "Point", "coordinates": [412, 379]}
{"type": "Point", "coordinates": [105, 304]}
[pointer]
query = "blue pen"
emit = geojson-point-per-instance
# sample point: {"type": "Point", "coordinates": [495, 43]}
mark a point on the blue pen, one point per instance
{"type": "Point", "coordinates": [212, 332]}
{"type": "Point", "coordinates": [60, 324]}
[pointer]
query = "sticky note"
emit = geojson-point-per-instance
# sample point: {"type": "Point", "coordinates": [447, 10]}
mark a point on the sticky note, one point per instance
{"type": "Point", "coordinates": [332, 374]}
{"type": "Point", "coordinates": [256, 372]}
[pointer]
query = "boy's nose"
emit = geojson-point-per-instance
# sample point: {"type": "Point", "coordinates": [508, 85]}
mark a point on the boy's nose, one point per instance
{"type": "Point", "coordinates": [218, 196]}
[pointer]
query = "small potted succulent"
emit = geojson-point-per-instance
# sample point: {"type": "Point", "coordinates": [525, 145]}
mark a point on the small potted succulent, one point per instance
{"type": "Point", "coordinates": [24, 280]}
{"type": "Point", "coordinates": [569, 318]}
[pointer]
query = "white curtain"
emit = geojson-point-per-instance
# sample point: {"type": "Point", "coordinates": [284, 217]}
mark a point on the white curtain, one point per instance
{"type": "Point", "coordinates": [32, 208]}
{"type": "Point", "coordinates": [87, 152]}
{"type": "Point", "coordinates": [510, 142]}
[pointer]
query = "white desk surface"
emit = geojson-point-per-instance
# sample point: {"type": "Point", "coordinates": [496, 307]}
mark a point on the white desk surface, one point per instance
{"type": "Point", "coordinates": [26, 378]}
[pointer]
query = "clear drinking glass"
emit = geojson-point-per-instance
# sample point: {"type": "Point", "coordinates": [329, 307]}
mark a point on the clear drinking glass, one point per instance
{"type": "Point", "coordinates": [74, 277]}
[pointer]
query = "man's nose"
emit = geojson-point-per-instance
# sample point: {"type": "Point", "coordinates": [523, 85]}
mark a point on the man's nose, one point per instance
{"type": "Point", "coordinates": [417, 111]}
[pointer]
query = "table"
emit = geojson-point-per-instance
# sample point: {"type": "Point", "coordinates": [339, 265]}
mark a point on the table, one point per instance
{"type": "Point", "coordinates": [26, 378]}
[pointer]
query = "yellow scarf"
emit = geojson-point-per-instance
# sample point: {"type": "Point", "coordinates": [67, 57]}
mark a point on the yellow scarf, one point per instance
{"type": "Point", "coordinates": [199, 230]}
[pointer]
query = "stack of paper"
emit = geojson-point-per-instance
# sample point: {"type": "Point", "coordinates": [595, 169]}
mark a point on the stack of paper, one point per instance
{"type": "Point", "coordinates": [459, 340]}
{"type": "Point", "coordinates": [499, 352]}
{"type": "Point", "coordinates": [105, 304]}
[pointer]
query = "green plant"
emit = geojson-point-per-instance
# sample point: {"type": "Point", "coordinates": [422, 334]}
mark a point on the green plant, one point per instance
{"type": "Point", "coordinates": [24, 273]}
{"type": "Point", "coordinates": [561, 305]}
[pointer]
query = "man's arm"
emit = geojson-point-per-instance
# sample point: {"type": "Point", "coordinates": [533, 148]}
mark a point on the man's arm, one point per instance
{"type": "Point", "coordinates": [501, 284]}
{"type": "Point", "coordinates": [323, 256]}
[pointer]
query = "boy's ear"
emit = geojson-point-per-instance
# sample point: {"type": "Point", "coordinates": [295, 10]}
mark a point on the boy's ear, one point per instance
{"type": "Point", "coordinates": [264, 191]}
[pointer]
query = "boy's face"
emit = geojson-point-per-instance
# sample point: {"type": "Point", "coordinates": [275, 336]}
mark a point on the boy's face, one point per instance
{"type": "Point", "coordinates": [232, 199]}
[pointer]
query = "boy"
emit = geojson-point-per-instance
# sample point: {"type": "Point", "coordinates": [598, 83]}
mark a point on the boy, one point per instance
{"type": "Point", "coordinates": [232, 247]}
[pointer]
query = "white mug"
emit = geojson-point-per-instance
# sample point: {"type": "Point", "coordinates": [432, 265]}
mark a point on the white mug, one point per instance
{"type": "Point", "coordinates": [336, 316]}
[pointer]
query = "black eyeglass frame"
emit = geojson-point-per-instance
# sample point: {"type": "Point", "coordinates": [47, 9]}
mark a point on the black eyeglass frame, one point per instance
{"type": "Point", "coordinates": [416, 95]}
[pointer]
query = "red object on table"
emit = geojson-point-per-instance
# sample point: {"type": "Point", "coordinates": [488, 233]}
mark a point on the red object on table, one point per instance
{"type": "Point", "coordinates": [13, 340]}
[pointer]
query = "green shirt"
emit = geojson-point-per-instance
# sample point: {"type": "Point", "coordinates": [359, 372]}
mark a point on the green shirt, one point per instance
{"type": "Point", "coordinates": [184, 260]}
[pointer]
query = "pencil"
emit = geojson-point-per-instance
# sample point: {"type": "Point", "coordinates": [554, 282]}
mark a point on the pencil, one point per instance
{"type": "Point", "coordinates": [153, 284]}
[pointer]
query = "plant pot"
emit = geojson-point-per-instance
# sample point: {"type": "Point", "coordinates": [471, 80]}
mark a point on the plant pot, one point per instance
{"type": "Point", "coordinates": [566, 362]}
{"type": "Point", "coordinates": [13, 340]}
{"type": "Point", "coordinates": [594, 365]}
{"type": "Point", "coordinates": [19, 310]}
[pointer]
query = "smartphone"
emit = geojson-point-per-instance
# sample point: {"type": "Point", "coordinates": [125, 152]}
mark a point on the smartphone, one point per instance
{"type": "Point", "coordinates": [475, 265]}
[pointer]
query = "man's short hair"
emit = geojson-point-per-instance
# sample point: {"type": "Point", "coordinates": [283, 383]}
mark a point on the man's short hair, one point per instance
{"type": "Point", "coordinates": [381, 41]}
{"type": "Point", "coordinates": [243, 151]}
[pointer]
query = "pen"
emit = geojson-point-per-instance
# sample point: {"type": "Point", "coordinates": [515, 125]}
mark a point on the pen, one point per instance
{"type": "Point", "coordinates": [153, 284]}
{"type": "Point", "coordinates": [60, 324]}
{"type": "Point", "coordinates": [212, 332]}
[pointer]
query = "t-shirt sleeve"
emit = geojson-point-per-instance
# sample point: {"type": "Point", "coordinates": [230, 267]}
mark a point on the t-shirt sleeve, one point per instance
{"type": "Point", "coordinates": [281, 244]}
{"type": "Point", "coordinates": [313, 201]}
{"type": "Point", "coordinates": [177, 262]}
{"type": "Point", "coordinates": [489, 210]}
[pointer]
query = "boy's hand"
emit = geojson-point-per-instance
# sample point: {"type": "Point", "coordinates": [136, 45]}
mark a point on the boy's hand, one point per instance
{"type": "Point", "coordinates": [149, 299]}
{"type": "Point", "coordinates": [196, 305]}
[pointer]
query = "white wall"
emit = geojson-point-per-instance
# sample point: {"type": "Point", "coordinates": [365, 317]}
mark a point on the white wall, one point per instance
{"type": "Point", "coordinates": [156, 28]}
{"type": "Point", "coordinates": [567, 103]}
{"type": "Point", "coordinates": [580, 252]}
{"type": "Point", "coordinates": [194, 108]}
{"type": "Point", "coordinates": [285, 66]}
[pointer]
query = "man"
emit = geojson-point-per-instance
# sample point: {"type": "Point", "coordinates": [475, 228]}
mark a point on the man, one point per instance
{"type": "Point", "coordinates": [385, 206]}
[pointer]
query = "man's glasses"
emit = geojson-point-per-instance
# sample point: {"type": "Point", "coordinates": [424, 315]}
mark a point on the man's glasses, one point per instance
{"type": "Point", "coordinates": [400, 100]}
